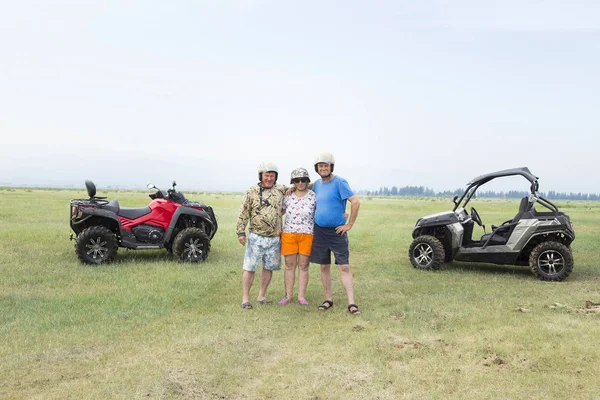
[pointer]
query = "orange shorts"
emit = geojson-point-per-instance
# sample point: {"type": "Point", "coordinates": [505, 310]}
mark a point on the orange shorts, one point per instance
{"type": "Point", "coordinates": [296, 243]}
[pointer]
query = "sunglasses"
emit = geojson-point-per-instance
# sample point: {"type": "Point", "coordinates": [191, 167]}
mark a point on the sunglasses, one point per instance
{"type": "Point", "coordinates": [298, 180]}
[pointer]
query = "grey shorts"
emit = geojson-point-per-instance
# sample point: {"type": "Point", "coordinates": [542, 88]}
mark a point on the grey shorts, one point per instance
{"type": "Point", "coordinates": [265, 249]}
{"type": "Point", "coordinates": [325, 242]}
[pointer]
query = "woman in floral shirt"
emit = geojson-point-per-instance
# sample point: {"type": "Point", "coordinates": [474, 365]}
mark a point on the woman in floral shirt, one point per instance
{"type": "Point", "coordinates": [297, 236]}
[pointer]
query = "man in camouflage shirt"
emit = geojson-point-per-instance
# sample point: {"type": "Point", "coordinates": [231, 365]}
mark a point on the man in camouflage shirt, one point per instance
{"type": "Point", "coordinates": [261, 210]}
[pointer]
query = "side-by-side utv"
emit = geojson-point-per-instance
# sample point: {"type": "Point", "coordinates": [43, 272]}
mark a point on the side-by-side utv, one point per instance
{"type": "Point", "coordinates": [539, 235]}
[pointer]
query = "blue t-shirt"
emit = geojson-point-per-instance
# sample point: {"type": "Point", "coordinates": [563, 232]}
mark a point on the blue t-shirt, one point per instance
{"type": "Point", "coordinates": [331, 201]}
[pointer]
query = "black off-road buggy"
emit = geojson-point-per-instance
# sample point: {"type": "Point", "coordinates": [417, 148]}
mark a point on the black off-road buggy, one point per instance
{"type": "Point", "coordinates": [540, 239]}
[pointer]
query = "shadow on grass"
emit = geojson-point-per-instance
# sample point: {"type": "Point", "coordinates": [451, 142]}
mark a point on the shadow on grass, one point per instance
{"type": "Point", "coordinates": [133, 257]}
{"type": "Point", "coordinates": [515, 270]}
{"type": "Point", "coordinates": [162, 254]}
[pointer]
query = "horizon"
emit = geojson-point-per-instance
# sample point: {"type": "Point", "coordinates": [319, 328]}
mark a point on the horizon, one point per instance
{"type": "Point", "coordinates": [359, 191]}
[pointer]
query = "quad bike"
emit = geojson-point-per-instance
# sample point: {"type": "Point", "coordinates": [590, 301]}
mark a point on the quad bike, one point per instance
{"type": "Point", "coordinates": [170, 221]}
{"type": "Point", "coordinates": [539, 239]}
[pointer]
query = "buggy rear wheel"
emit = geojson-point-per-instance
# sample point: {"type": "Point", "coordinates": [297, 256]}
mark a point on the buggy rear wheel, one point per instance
{"type": "Point", "coordinates": [96, 245]}
{"type": "Point", "coordinates": [551, 261]}
{"type": "Point", "coordinates": [426, 252]}
{"type": "Point", "coordinates": [191, 245]}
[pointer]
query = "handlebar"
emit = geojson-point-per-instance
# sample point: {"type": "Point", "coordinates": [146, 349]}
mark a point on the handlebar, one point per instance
{"type": "Point", "coordinates": [169, 194]}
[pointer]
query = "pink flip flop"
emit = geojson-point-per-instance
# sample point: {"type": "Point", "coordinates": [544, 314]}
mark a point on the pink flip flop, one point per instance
{"type": "Point", "coordinates": [284, 301]}
{"type": "Point", "coordinates": [303, 302]}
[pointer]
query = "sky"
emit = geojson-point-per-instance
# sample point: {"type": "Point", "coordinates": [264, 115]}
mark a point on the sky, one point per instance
{"type": "Point", "coordinates": [403, 93]}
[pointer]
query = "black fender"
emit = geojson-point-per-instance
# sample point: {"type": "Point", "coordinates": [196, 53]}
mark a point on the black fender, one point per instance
{"type": "Point", "coordinates": [427, 230]}
{"type": "Point", "coordinates": [89, 213]}
{"type": "Point", "coordinates": [182, 211]}
{"type": "Point", "coordinates": [568, 238]}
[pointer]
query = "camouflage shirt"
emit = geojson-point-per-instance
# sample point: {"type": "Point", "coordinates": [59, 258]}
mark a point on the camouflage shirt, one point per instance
{"type": "Point", "coordinates": [262, 208]}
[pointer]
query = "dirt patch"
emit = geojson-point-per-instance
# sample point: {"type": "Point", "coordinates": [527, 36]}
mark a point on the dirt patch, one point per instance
{"type": "Point", "coordinates": [403, 343]}
{"type": "Point", "coordinates": [497, 360]}
{"type": "Point", "coordinates": [589, 307]}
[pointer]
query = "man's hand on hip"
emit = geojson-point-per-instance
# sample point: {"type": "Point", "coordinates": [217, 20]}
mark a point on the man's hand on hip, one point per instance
{"type": "Point", "coordinates": [340, 230]}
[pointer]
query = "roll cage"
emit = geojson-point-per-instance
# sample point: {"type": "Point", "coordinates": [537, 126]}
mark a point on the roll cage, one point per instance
{"type": "Point", "coordinates": [478, 181]}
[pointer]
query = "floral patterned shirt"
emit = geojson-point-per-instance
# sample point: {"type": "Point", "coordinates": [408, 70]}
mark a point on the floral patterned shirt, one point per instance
{"type": "Point", "coordinates": [300, 213]}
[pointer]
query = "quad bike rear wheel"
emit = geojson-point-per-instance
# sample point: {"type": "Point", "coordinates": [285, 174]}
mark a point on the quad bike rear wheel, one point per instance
{"type": "Point", "coordinates": [191, 245]}
{"type": "Point", "coordinates": [551, 261]}
{"type": "Point", "coordinates": [96, 245]}
{"type": "Point", "coordinates": [426, 252]}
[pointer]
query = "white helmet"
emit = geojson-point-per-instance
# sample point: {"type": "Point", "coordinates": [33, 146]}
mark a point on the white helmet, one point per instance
{"type": "Point", "coordinates": [299, 173]}
{"type": "Point", "coordinates": [267, 167]}
{"type": "Point", "coordinates": [326, 158]}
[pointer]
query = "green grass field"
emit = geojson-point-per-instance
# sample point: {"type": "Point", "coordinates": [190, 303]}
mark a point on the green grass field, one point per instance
{"type": "Point", "coordinates": [148, 326]}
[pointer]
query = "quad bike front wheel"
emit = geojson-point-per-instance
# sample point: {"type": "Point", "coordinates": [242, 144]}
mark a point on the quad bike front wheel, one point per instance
{"type": "Point", "coordinates": [191, 245]}
{"type": "Point", "coordinates": [551, 261]}
{"type": "Point", "coordinates": [96, 245]}
{"type": "Point", "coordinates": [426, 252]}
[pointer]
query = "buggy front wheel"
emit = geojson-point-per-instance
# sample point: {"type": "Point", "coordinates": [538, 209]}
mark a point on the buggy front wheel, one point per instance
{"type": "Point", "coordinates": [426, 252]}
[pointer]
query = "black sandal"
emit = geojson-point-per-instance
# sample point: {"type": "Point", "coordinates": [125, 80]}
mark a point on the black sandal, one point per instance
{"type": "Point", "coordinates": [247, 305]}
{"type": "Point", "coordinates": [353, 309]}
{"type": "Point", "coordinates": [326, 305]}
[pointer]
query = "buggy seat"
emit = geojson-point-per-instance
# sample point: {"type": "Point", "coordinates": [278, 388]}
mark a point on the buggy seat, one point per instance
{"type": "Point", "coordinates": [129, 213]}
{"type": "Point", "coordinates": [500, 234]}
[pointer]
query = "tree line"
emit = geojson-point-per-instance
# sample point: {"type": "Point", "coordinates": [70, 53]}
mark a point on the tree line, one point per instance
{"type": "Point", "coordinates": [422, 191]}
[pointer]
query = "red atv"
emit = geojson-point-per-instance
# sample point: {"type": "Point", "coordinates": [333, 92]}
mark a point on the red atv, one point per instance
{"type": "Point", "coordinates": [170, 221]}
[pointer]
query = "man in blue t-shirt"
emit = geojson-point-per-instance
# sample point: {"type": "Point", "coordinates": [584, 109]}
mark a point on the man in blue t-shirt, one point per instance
{"type": "Point", "coordinates": [330, 232]}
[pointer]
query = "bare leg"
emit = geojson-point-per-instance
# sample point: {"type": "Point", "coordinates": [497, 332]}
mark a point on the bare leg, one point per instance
{"type": "Point", "coordinates": [346, 276]}
{"type": "Point", "coordinates": [247, 279]}
{"type": "Point", "coordinates": [326, 280]}
{"type": "Point", "coordinates": [265, 278]}
{"type": "Point", "coordinates": [290, 274]}
{"type": "Point", "coordinates": [303, 262]}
